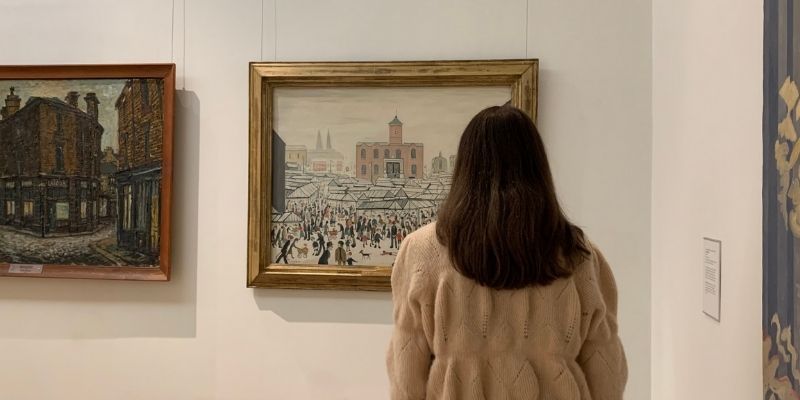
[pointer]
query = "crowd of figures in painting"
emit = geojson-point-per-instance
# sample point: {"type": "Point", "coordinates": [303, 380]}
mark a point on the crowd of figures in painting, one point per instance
{"type": "Point", "coordinates": [339, 220]}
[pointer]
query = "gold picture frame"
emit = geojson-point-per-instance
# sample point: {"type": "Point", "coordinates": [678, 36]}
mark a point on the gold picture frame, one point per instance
{"type": "Point", "coordinates": [520, 76]}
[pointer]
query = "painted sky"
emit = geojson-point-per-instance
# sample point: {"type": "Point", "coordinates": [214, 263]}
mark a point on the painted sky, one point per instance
{"type": "Point", "coordinates": [107, 91]}
{"type": "Point", "coordinates": [433, 116]}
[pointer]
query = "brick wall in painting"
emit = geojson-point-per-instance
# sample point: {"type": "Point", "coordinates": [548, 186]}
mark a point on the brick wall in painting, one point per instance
{"type": "Point", "coordinates": [140, 133]}
{"type": "Point", "coordinates": [141, 123]}
{"type": "Point", "coordinates": [49, 164]}
{"type": "Point", "coordinates": [373, 159]}
{"type": "Point", "coordinates": [69, 140]}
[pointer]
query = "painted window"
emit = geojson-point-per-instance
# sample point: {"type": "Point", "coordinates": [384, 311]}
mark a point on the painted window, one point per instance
{"type": "Point", "coordinates": [146, 130]}
{"type": "Point", "coordinates": [375, 153]}
{"type": "Point", "coordinates": [10, 208]}
{"type": "Point", "coordinates": [363, 154]}
{"type": "Point", "coordinates": [27, 209]}
{"type": "Point", "coordinates": [62, 211]}
{"type": "Point", "coordinates": [83, 209]}
{"type": "Point", "coordinates": [154, 216]}
{"type": "Point", "coordinates": [414, 170]}
{"type": "Point", "coordinates": [127, 199]}
{"type": "Point", "coordinates": [145, 95]}
{"type": "Point", "coordinates": [386, 153]}
{"type": "Point", "coordinates": [413, 153]}
{"type": "Point", "coordinates": [363, 170]}
{"type": "Point", "coordinates": [142, 212]}
{"type": "Point", "coordinates": [375, 170]}
{"type": "Point", "coordinates": [59, 158]}
{"type": "Point", "coordinates": [83, 143]}
{"type": "Point", "coordinates": [397, 154]}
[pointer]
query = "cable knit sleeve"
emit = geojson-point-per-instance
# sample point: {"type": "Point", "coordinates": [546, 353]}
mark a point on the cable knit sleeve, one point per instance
{"type": "Point", "coordinates": [602, 357]}
{"type": "Point", "coordinates": [409, 357]}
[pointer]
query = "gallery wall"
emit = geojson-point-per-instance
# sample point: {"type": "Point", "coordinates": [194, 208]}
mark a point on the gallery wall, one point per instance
{"type": "Point", "coordinates": [707, 74]}
{"type": "Point", "coordinates": [204, 335]}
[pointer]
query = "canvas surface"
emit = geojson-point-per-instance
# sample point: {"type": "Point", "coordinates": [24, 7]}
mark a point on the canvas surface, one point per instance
{"type": "Point", "coordinates": [80, 171]}
{"type": "Point", "coordinates": [355, 170]}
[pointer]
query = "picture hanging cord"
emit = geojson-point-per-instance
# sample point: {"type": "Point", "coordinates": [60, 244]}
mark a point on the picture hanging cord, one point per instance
{"type": "Point", "coordinates": [172, 35]}
{"type": "Point", "coordinates": [274, 30]}
{"type": "Point", "coordinates": [262, 32]}
{"type": "Point", "coordinates": [527, 14]}
{"type": "Point", "coordinates": [182, 75]}
{"type": "Point", "coordinates": [183, 56]}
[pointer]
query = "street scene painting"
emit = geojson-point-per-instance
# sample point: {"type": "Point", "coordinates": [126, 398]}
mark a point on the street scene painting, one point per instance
{"type": "Point", "coordinates": [80, 171]}
{"type": "Point", "coordinates": [355, 170]}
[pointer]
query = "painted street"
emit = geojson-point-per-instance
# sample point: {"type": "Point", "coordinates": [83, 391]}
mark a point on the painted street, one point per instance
{"type": "Point", "coordinates": [16, 247]}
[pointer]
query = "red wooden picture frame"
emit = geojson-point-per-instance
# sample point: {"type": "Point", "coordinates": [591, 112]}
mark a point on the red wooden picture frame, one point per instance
{"type": "Point", "coordinates": [164, 72]}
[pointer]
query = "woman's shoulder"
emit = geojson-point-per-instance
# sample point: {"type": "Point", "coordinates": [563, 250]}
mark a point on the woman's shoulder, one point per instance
{"type": "Point", "coordinates": [595, 260]}
{"type": "Point", "coordinates": [423, 238]}
{"type": "Point", "coordinates": [595, 274]}
{"type": "Point", "coordinates": [589, 261]}
{"type": "Point", "coordinates": [422, 247]}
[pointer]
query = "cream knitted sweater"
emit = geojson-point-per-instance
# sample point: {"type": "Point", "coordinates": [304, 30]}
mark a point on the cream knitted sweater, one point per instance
{"type": "Point", "coordinates": [454, 339]}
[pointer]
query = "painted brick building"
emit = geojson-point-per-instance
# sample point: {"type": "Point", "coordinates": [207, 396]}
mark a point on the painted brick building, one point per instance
{"type": "Point", "coordinates": [50, 164]}
{"type": "Point", "coordinates": [107, 209]}
{"type": "Point", "coordinates": [392, 159]}
{"type": "Point", "coordinates": [439, 165]}
{"type": "Point", "coordinates": [138, 180]}
{"type": "Point", "coordinates": [296, 157]}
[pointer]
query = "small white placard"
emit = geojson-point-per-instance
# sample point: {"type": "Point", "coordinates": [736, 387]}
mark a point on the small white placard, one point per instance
{"type": "Point", "coordinates": [712, 271]}
{"type": "Point", "coordinates": [25, 269]}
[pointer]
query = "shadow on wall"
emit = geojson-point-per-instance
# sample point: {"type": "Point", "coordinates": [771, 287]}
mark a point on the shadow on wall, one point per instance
{"type": "Point", "coordinates": [327, 306]}
{"type": "Point", "coordinates": [84, 309]}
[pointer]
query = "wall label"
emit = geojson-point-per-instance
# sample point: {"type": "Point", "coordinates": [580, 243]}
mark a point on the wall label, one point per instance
{"type": "Point", "coordinates": [712, 277]}
{"type": "Point", "coordinates": [25, 269]}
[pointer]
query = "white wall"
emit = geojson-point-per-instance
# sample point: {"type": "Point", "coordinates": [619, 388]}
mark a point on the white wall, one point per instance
{"type": "Point", "coordinates": [205, 336]}
{"type": "Point", "coordinates": [596, 118]}
{"type": "Point", "coordinates": [707, 74]}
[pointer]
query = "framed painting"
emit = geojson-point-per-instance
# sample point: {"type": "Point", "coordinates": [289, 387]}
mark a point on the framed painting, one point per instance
{"type": "Point", "coordinates": [349, 158]}
{"type": "Point", "coordinates": [86, 171]}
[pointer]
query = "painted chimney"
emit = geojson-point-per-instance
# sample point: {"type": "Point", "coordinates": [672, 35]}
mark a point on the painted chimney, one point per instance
{"type": "Point", "coordinates": [72, 99]}
{"type": "Point", "coordinates": [12, 105]}
{"type": "Point", "coordinates": [92, 104]}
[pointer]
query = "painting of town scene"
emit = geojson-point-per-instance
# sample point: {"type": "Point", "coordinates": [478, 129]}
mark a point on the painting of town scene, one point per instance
{"type": "Point", "coordinates": [80, 171]}
{"type": "Point", "coordinates": [356, 170]}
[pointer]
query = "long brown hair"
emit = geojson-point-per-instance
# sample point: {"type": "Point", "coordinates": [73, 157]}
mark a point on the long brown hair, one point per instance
{"type": "Point", "coordinates": [501, 222]}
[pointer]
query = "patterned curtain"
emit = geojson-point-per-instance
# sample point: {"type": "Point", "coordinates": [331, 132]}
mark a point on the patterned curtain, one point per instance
{"type": "Point", "coordinates": [781, 199]}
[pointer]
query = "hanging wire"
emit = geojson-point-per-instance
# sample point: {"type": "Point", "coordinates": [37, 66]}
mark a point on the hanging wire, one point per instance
{"type": "Point", "coordinates": [183, 44]}
{"type": "Point", "coordinates": [527, 33]}
{"type": "Point", "coordinates": [183, 60]}
{"type": "Point", "coordinates": [262, 32]}
{"type": "Point", "coordinates": [172, 37]}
